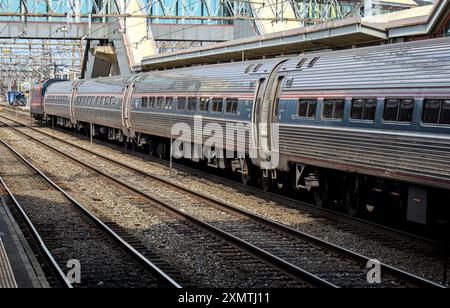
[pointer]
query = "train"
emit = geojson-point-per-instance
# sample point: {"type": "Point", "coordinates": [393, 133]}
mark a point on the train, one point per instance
{"type": "Point", "coordinates": [365, 129]}
{"type": "Point", "coordinates": [37, 95]}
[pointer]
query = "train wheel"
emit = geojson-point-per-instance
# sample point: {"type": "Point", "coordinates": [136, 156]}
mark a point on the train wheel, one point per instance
{"type": "Point", "coordinates": [246, 177]}
{"type": "Point", "coordinates": [151, 148]}
{"type": "Point", "coordinates": [266, 182]}
{"type": "Point", "coordinates": [161, 150]}
{"type": "Point", "coordinates": [281, 182]}
{"type": "Point", "coordinates": [352, 202]}
{"type": "Point", "coordinates": [321, 195]}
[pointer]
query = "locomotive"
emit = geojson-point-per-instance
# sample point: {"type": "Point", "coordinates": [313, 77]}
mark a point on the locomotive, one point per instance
{"type": "Point", "coordinates": [366, 128]}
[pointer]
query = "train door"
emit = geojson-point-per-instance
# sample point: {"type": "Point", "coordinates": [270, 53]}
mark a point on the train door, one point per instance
{"type": "Point", "coordinates": [256, 112]}
{"type": "Point", "coordinates": [265, 113]}
{"type": "Point", "coordinates": [72, 102]}
{"type": "Point", "coordinates": [126, 106]}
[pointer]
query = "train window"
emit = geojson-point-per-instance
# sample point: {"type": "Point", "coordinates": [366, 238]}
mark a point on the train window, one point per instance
{"type": "Point", "coordinates": [391, 110]}
{"type": "Point", "coordinates": [204, 104]}
{"type": "Point", "coordinates": [169, 101]}
{"type": "Point", "coordinates": [231, 105]}
{"type": "Point", "coordinates": [445, 113]}
{"type": "Point", "coordinates": [363, 109]}
{"type": "Point", "coordinates": [160, 102]}
{"type": "Point", "coordinates": [151, 102]}
{"type": "Point", "coordinates": [276, 108]}
{"type": "Point", "coordinates": [431, 111]}
{"type": "Point", "coordinates": [257, 67]}
{"type": "Point", "coordinates": [181, 103]}
{"type": "Point", "coordinates": [217, 104]}
{"type": "Point", "coordinates": [406, 110]}
{"type": "Point", "coordinates": [399, 110]}
{"type": "Point", "coordinates": [436, 111]}
{"type": "Point", "coordinates": [192, 103]}
{"type": "Point", "coordinates": [307, 108]}
{"type": "Point", "coordinates": [333, 109]}
{"type": "Point", "coordinates": [144, 102]}
{"type": "Point", "coordinates": [107, 100]}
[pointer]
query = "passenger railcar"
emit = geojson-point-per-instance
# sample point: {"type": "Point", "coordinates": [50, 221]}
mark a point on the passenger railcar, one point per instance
{"type": "Point", "coordinates": [362, 128]}
{"type": "Point", "coordinates": [37, 98]}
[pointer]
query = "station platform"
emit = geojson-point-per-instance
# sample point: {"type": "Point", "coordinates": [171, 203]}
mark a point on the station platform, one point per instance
{"type": "Point", "coordinates": [19, 267]}
{"type": "Point", "coordinates": [15, 108]}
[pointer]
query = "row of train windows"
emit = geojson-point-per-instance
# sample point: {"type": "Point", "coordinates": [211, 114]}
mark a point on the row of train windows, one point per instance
{"type": "Point", "coordinates": [192, 104]}
{"type": "Point", "coordinates": [204, 103]}
{"type": "Point", "coordinates": [98, 100]}
{"type": "Point", "coordinates": [57, 99]}
{"type": "Point", "coordinates": [435, 111]}
{"type": "Point", "coordinates": [157, 102]}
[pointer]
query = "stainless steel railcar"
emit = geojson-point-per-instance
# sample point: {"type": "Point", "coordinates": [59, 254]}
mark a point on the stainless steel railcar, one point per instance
{"type": "Point", "coordinates": [362, 128]}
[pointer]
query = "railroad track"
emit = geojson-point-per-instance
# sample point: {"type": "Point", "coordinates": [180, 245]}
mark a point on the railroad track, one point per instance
{"type": "Point", "coordinates": [265, 268]}
{"type": "Point", "coordinates": [335, 217]}
{"type": "Point", "coordinates": [68, 234]}
{"type": "Point", "coordinates": [331, 264]}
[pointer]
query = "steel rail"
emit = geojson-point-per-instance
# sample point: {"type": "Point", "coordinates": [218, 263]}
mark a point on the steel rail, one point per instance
{"type": "Point", "coordinates": [159, 274]}
{"type": "Point", "coordinates": [259, 253]}
{"type": "Point", "coordinates": [411, 278]}
{"type": "Point", "coordinates": [270, 195]}
{"type": "Point", "coordinates": [42, 246]}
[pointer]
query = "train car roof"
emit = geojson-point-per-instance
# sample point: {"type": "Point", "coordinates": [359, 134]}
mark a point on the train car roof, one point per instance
{"type": "Point", "coordinates": [63, 87]}
{"type": "Point", "coordinates": [404, 65]}
{"type": "Point", "coordinates": [103, 85]}
{"type": "Point", "coordinates": [237, 77]}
